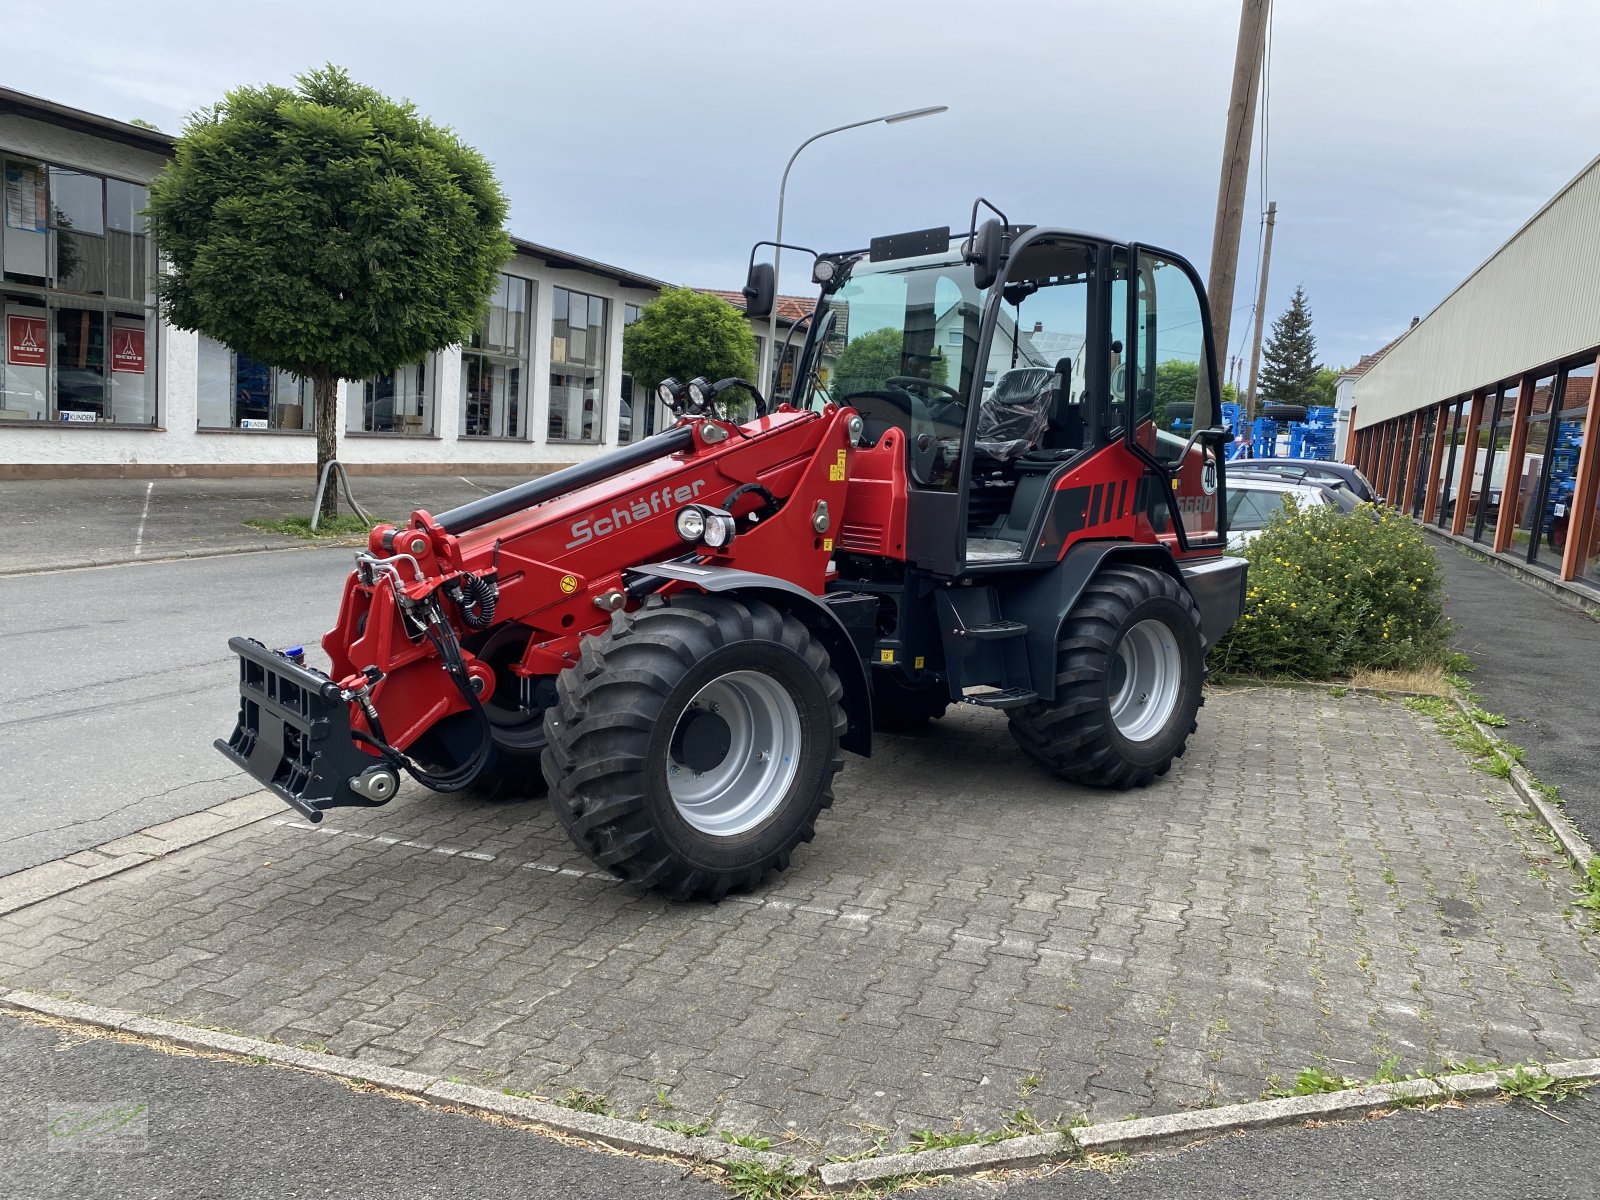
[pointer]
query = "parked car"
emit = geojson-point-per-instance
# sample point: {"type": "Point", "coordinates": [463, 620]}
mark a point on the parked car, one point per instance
{"type": "Point", "coordinates": [1253, 500]}
{"type": "Point", "coordinates": [1308, 470]}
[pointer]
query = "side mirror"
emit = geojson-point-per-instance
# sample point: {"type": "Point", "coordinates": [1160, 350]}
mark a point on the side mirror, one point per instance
{"type": "Point", "coordinates": [984, 250]}
{"type": "Point", "coordinates": [760, 290]}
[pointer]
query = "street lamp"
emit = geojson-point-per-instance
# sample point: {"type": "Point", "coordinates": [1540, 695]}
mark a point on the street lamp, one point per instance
{"type": "Point", "coordinates": [777, 251]}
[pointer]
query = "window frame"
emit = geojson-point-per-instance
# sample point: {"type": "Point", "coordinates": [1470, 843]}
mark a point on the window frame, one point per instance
{"type": "Point", "coordinates": [47, 291]}
{"type": "Point", "coordinates": [519, 363]}
{"type": "Point", "coordinates": [603, 341]}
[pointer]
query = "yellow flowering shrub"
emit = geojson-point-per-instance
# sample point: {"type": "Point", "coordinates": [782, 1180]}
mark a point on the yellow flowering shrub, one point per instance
{"type": "Point", "coordinates": [1329, 593]}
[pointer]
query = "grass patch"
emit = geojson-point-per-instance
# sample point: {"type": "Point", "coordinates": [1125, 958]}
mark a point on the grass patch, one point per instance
{"type": "Point", "coordinates": [1532, 1083]}
{"type": "Point", "coordinates": [1313, 1081]}
{"type": "Point", "coordinates": [1487, 754]}
{"type": "Point", "coordinates": [1588, 888]}
{"type": "Point", "coordinates": [683, 1127]}
{"type": "Point", "coordinates": [579, 1100]}
{"type": "Point", "coordinates": [750, 1141]}
{"type": "Point", "coordinates": [752, 1181]}
{"type": "Point", "coordinates": [348, 525]}
{"type": "Point", "coordinates": [1429, 679]}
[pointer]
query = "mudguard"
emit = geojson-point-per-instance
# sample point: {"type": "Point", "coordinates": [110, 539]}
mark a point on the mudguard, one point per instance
{"type": "Point", "coordinates": [1043, 601]}
{"type": "Point", "coordinates": [813, 610]}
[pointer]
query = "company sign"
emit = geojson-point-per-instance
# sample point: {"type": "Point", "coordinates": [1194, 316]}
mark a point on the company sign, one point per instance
{"type": "Point", "coordinates": [127, 350]}
{"type": "Point", "coordinates": [25, 342]}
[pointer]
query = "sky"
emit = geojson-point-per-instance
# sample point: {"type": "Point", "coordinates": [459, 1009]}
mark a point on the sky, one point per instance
{"type": "Point", "coordinates": [1407, 141]}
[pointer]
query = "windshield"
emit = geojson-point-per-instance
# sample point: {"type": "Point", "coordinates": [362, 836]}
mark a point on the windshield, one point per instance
{"type": "Point", "coordinates": [899, 343]}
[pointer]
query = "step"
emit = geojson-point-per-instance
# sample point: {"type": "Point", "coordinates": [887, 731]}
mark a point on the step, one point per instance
{"type": "Point", "coordinates": [1002, 698]}
{"type": "Point", "coordinates": [994, 630]}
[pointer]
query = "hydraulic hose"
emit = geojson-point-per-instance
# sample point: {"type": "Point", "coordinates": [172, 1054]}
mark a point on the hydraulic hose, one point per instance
{"type": "Point", "coordinates": [476, 599]}
{"type": "Point", "coordinates": [438, 631]}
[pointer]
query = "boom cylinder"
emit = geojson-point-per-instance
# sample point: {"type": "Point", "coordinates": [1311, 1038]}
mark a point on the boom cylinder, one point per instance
{"type": "Point", "coordinates": [477, 513]}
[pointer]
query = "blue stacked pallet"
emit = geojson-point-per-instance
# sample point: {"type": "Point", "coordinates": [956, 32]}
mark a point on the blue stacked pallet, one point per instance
{"type": "Point", "coordinates": [1264, 438]}
{"type": "Point", "coordinates": [1233, 421]}
{"type": "Point", "coordinates": [1313, 437]}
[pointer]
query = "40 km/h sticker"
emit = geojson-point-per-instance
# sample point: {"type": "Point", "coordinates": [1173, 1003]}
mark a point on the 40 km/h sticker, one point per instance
{"type": "Point", "coordinates": [569, 584]}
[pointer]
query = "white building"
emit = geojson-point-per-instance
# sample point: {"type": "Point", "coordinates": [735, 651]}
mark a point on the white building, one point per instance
{"type": "Point", "coordinates": [92, 382]}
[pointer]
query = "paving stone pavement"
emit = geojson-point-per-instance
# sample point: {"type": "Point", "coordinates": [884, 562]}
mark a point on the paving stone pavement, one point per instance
{"type": "Point", "coordinates": [1320, 881]}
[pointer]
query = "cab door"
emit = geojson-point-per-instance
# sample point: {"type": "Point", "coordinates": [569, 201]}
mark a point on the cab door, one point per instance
{"type": "Point", "coordinates": [1170, 361]}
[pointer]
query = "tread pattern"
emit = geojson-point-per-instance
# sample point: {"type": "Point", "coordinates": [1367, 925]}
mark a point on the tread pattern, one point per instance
{"type": "Point", "coordinates": [1072, 734]}
{"type": "Point", "coordinates": [607, 709]}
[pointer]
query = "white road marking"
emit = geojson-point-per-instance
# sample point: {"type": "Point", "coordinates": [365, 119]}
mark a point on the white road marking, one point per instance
{"type": "Point", "coordinates": [470, 484]}
{"type": "Point", "coordinates": [773, 902]}
{"type": "Point", "coordinates": [144, 515]}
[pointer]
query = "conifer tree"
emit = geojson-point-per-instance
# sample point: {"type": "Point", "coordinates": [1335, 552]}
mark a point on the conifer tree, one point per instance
{"type": "Point", "coordinates": [1289, 359]}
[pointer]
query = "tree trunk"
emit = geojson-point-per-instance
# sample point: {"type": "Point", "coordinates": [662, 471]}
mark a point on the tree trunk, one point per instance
{"type": "Point", "coordinates": [325, 392]}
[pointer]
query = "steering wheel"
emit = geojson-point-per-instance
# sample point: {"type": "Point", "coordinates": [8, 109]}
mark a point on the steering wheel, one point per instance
{"type": "Point", "coordinates": [907, 382]}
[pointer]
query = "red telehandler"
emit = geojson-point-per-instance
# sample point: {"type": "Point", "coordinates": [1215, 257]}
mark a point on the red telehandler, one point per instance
{"type": "Point", "coordinates": [967, 498]}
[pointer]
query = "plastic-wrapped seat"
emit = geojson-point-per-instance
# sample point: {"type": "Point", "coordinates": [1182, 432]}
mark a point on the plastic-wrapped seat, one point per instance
{"type": "Point", "coordinates": [1014, 413]}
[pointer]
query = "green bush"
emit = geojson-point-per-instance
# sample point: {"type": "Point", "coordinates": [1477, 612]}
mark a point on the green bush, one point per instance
{"type": "Point", "coordinates": [1330, 593]}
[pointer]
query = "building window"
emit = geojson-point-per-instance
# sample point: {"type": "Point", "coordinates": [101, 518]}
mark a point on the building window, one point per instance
{"type": "Point", "coordinates": [1531, 526]}
{"type": "Point", "coordinates": [235, 391]}
{"type": "Point", "coordinates": [627, 428]}
{"type": "Point", "coordinates": [1426, 421]}
{"type": "Point", "coordinates": [1568, 493]}
{"type": "Point", "coordinates": [398, 401]}
{"type": "Point", "coordinates": [77, 297]}
{"type": "Point", "coordinates": [577, 367]}
{"type": "Point", "coordinates": [1489, 473]}
{"type": "Point", "coordinates": [494, 366]}
{"type": "Point", "coordinates": [1456, 418]}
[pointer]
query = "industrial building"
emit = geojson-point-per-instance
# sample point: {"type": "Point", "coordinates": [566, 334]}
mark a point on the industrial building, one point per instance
{"type": "Point", "coordinates": [1481, 419]}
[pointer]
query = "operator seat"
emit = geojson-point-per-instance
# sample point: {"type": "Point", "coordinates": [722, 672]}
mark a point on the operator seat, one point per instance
{"type": "Point", "coordinates": [1014, 413]}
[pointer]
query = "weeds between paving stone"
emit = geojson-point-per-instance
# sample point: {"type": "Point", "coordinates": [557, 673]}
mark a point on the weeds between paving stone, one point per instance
{"type": "Point", "coordinates": [579, 1100]}
{"type": "Point", "coordinates": [1495, 756]}
{"type": "Point", "coordinates": [1528, 1082]}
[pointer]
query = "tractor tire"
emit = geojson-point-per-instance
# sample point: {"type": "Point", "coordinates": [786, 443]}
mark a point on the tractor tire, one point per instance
{"type": "Point", "coordinates": [694, 744]}
{"type": "Point", "coordinates": [1182, 410]}
{"type": "Point", "coordinates": [900, 706]}
{"type": "Point", "coordinates": [1130, 664]}
{"type": "Point", "coordinates": [1284, 412]}
{"type": "Point", "coordinates": [519, 740]}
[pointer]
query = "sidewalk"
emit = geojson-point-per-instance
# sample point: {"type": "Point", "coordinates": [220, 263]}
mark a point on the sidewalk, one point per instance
{"type": "Point", "coordinates": [1538, 663]}
{"type": "Point", "coordinates": [60, 523]}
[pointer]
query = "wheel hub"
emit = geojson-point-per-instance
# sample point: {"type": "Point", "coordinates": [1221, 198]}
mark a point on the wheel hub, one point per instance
{"type": "Point", "coordinates": [734, 753]}
{"type": "Point", "coordinates": [701, 740]}
{"type": "Point", "coordinates": [1145, 680]}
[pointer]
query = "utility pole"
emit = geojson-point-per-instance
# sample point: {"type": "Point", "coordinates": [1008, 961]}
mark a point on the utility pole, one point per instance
{"type": "Point", "coordinates": [1261, 311]}
{"type": "Point", "coordinates": [1236, 165]}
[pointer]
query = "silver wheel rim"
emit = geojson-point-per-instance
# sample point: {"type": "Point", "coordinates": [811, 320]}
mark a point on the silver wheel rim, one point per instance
{"type": "Point", "coordinates": [749, 782]}
{"type": "Point", "coordinates": [1146, 679]}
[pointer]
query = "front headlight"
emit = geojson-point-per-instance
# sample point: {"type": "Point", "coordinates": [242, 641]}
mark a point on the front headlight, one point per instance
{"type": "Point", "coordinates": [719, 530]}
{"type": "Point", "coordinates": [691, 524]}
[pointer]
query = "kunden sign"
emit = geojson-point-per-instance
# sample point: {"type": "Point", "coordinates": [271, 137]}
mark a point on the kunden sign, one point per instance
{"type": "Point", "coordinates": [127, 350]}
{"type": "Point", "coordinates": [25, 342]}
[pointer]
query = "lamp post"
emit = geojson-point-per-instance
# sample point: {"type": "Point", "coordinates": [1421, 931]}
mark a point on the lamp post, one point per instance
{"type": "Point", "coordinates": [768, 350]}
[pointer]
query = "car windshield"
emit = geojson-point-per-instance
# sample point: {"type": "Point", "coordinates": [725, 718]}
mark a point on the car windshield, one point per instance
{"type": "Point", "coordinates": [1252, 508]}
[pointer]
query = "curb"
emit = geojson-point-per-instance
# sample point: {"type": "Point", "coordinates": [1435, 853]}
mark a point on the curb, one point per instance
{"type": "Point", "coordinates": [635, 1136]}
{"type": "Point", "coordinates": [619, 1134]}
{"type": "Point", "coordinates": [1573, 844]}
{"type": "Point", "coordinates": [86, 564]}
{"type": "Point", "coordinates": [50, 879]}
